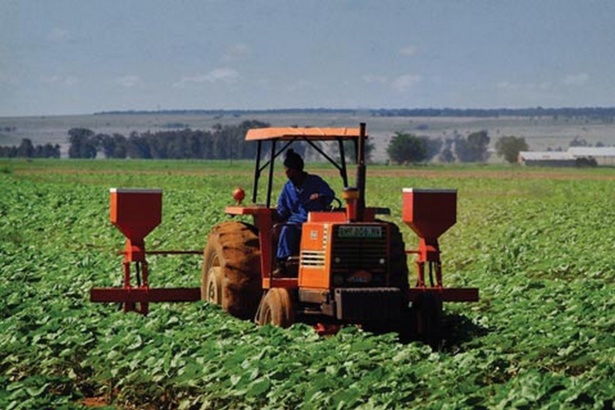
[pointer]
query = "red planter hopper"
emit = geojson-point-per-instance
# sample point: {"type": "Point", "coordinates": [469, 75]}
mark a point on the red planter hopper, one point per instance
{"type": "Point", "coordinates": [429, 212]}
{"type": "Point", "coordinates": [135, 212]}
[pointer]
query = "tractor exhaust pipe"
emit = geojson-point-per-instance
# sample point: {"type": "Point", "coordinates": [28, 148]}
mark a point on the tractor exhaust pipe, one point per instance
{"type": "Point", "coordinates": [351, 196]}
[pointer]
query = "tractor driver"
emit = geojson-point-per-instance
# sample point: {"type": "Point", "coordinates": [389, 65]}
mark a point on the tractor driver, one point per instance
{"type": "Point", "coordinates": [301, 194]}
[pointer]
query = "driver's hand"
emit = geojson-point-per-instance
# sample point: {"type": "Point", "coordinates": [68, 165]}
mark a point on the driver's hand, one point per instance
{"type": "Point", "coordinates": [315, 196]}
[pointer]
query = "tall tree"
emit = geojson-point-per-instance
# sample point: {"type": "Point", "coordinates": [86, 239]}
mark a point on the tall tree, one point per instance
{"type": "Point", "coordinates": [474, 148]}
{"type": "Point", "coordinates": [349, 150]}
{"type": "Point", "coordinates": [25, 149]}
{"type": "Point", "coordinates": [578, 142]}
{"type": "Point", "coordinates": [119, 146]}
{"type": "Point", "coordinates": [137, 146]}
{"type": "Point", "coordinates": [407, 148]}
{"type": "Point", "coordinates": [51, 151]}
{"type": "Point", "coordinates": [106, 142]}
{"type": "Point", "coordinates": [510, 146]}
{"type": "Point", "coordinates": [446, 153]}
{"type": "Point", "coordinates": [82, 143]}
{"type": "Point", "coordinates": [434, 147]}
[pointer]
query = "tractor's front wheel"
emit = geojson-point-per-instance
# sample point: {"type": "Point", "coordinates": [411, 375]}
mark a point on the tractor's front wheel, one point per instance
{"type": "Point", "coordinates": [276, 309]}
{"type": "Point", "coordinates": [212, 292]}
{"type": "Point", "coordinates": [231, 269]}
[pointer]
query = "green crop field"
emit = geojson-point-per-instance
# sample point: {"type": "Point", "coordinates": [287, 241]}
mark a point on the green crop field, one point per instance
{"type": "Point", "coordinates": [539, 243]}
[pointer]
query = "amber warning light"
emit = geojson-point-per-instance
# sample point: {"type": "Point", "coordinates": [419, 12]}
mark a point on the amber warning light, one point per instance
{"type": "Point", "coordinates": [238, 195]}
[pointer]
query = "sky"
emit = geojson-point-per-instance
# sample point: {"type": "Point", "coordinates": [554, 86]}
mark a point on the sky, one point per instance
{"type": "Point", "coordinates": [65, 57]}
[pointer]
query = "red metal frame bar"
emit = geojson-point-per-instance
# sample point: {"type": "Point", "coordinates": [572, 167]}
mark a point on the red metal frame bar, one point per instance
{"type": "Point", "coordinates": [429, 253]}
{"type": "Point", "coordinates": [130, 295]}
{"type": "Point", "coordinates": [288, 283]}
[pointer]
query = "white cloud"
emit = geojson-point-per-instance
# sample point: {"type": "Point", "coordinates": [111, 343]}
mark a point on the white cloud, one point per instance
{"type": "Point", "coordinates": [236, 51]}
{"type": "Point", "coordinates": [405, 82]}
{"type": "Point", "coordinates": [298, 86]}
{"type": "Point", "coordinates": [226, 75]}
{"type": "Point", "coordinates": [8, 79]}
{"type": "Point", "coordinates": [375, 79]}
{"type": "Point", "coordinates": [576, 79]}
{"type": "Point", "coordinates": [59, 35]}
{"type": "Point", "coordinates": [129, 81]}
{"type": "Point", "coordinates": [68, 80]}
{"type": "Point", "coordinates": [219, 75]}
{"type": "Point", "coordinates": [528, 87]}
{"type": "Point", "coordinates": [401, 84]}
{"type": "Point", "coordinates": [505, 85]}
{"type": "Point", "coordinates": [408, 51]}
{"type": "Point", "coordinates": [195, 79]}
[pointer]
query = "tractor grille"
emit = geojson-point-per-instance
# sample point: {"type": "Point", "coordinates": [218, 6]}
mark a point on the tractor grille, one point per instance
{"type": "Point", "coordinates": [350, 254]}
{"type": "Point", "coordinates": [381, 304]}
{"type": "Point", "coordinates": [314, 259]}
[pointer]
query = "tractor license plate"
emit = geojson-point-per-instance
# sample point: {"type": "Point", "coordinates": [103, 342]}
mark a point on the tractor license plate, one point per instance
{"type": "Point", "coordinates": [358, 231]}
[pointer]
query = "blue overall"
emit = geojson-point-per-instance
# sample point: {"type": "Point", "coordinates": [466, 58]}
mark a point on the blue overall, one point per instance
{"type": "Point", "coordinates": [293, 206]}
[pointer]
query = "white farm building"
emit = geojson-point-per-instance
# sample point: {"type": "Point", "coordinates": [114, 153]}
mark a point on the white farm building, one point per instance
{"type": "Point", "coordinates": [546, 158]}
{"type": "Point", "coordinates": [601, 155]}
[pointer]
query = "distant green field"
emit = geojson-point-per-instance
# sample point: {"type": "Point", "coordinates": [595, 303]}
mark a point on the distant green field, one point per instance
{"type": "Point", "coordinates": [539, 244]}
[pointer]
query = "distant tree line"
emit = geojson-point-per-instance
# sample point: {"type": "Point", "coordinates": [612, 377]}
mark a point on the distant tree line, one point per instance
{"type": "Point", "coordinates": [222, 142]}
{"type": "Point", "coordinates": [606, 114]}
{"type": "Point", "coordinates": [28, 150]}
{"type": "Point", "coordinates": [407, 148]}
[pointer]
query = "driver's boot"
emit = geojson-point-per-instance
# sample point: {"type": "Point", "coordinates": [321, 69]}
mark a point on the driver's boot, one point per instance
{"type": "Point", "coordinates": [280, 270]}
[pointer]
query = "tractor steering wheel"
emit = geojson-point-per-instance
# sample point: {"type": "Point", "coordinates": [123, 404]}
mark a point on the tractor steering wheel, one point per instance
{"type": "Point", "coordinates": [336, 204]}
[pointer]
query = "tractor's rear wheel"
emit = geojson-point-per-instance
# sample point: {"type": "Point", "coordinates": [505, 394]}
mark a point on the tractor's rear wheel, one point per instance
{"type": "Point", "coordinates": [231, 269]}
{"type": "Point", "coordinates": [276, 309]}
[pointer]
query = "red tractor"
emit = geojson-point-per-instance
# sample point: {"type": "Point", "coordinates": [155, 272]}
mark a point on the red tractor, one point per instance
{"type": "Point", "coordinates": [351, 267]}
